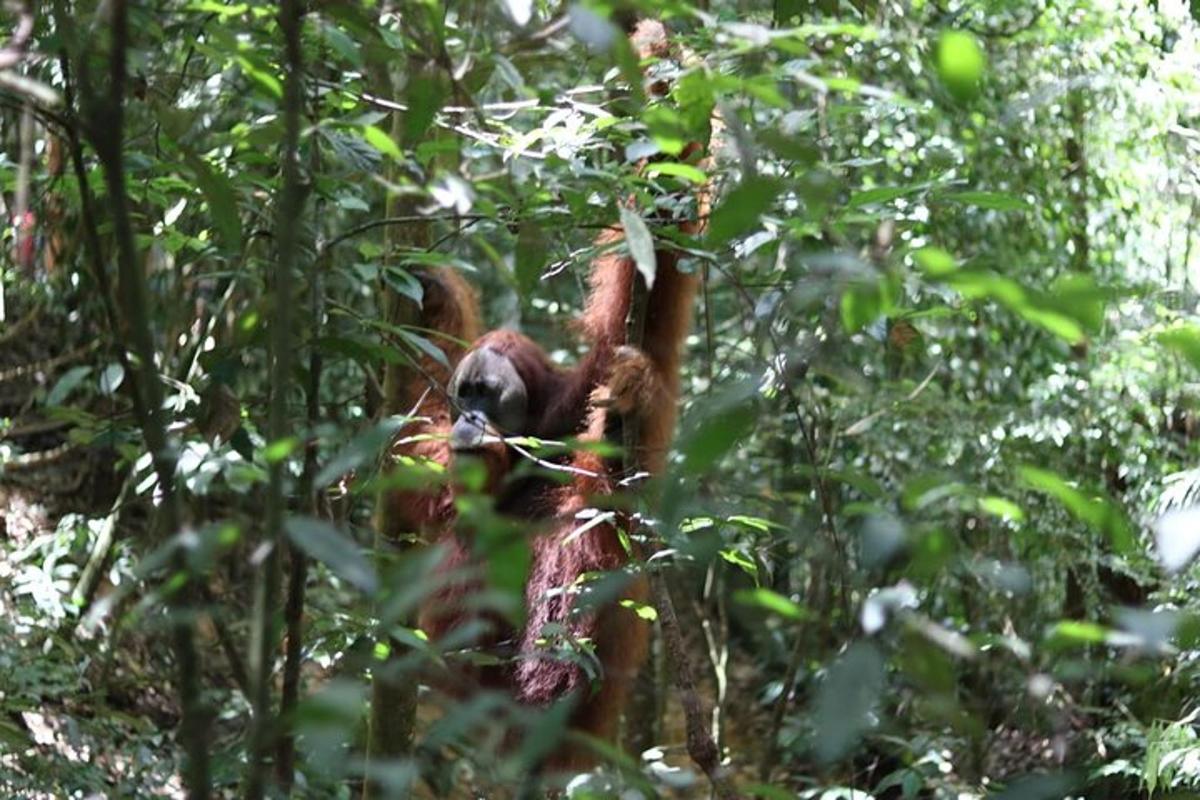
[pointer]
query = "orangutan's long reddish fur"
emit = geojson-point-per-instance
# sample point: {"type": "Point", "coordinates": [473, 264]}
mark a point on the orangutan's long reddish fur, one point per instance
{"type": "Point", "coordinates": [450, 306]}
{"type": "Point", "coordinates": [641, 385]}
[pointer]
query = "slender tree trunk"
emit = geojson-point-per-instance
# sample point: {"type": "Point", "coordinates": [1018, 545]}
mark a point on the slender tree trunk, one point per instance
{"type": "Point", "coordinates": [393, 712]}
{"type": "Point", "coordinates": [105, 118]}
{"type": "Point", "coordinates": [288, 206]}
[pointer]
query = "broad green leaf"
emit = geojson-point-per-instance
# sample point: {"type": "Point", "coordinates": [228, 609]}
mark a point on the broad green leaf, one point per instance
{"type": "Point", "coordinates": [1000, 507]}
{"type": "Point", "coordinates": [1184, 341]}
{"type": "Point", "coordinates": [772, 602]}
{"type": "Point", "coordinates": [425, 94]}
{"type": "Point", "coordinates": [845, 701]}
{"type": "Point", "coordinates": [935, 262]}
{"type": "Point", "coordinates": [693, 94]}
{"type": "Point", "coordinates": [422, 344]}
{"type": "Point", "coordinates": [279, 450]}
{"type": "Point", "coordinates": [641, 244]}
{"type": "Point", "coordinates": [111, 379]}
{"type": "Point", "coordinates": [742, 209]}
{"type": "Point", "coordinates": [862, 304]}
{"type": "Point", "coordinates": [882, 194]}
{"type": "Point", "coordinates": [325, 543]}
{"type": "Point", "coordinates": [381, 142]}
{"type": "Point", "coordinates": [995, 201]}
{"type": "Point", "coordinates": [666, 128]}
{"type": "Point", "coordinates": [719, 433]}
{"type": "Point", "coordinates": [1097, 512]}
{"type": "Point", "coordinates": [362, 449]}
{"type": "Point", "coordinates": [530, 258]}
{"type": "Point", "coordinates": [1075, 632]}
{"type": "Point", "coordinates": [960, 64]}
{"type": "Point", "coordinates": [63, 387]}
{"type": "Point", "coordinates": [261, 75]}
{"type": "Point", "coordinates": [221, 199]}
{"type": "Point", "coordinates": [677, 170]}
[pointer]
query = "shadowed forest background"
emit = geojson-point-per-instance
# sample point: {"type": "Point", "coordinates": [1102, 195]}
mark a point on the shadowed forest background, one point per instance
{"type": "Point", "coordinates": [927, 527]}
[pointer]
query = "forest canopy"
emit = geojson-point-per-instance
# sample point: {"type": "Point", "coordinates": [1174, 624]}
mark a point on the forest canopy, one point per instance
{"type": "Point", "coordinates": [830, 434]}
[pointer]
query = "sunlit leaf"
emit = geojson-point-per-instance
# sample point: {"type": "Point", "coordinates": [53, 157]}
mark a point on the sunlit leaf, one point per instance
{"type": "Point", "coordinates": [381, 142]}
{"type": "Point", "coordinates": [1177, 538]}
{"type": "Point", "coordinates": [221, 200]}
{"type": "Point", "coordinates": [641, 244]}
{"type": "Point", "coordinates": [772, 602]}
{"type": "Point", "coordinates": [1099, 513]}
{"type": "Point", "coordinates": [111, 378]}
{"type": "Point", "coordinates": [1184, 340]}
{"type": "Point", "coordinates": [1000, 507]}
{"type": "Point", "coordinates": [521, 11]}
{"type": "Point", "coordinates": [281, 449]}
{"type": "Point", "coordinates": [960, 63]}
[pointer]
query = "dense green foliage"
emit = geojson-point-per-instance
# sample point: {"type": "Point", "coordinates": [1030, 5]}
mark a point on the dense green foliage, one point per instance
{"type": "Point", "coordinates": [933, 501]}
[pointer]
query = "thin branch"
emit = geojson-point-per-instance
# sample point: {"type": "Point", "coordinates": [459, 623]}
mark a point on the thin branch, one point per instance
{"type": "Point", "coordinates": [289, 204]}
{"type": "Point", "coordinates": [285, 756]}
{"type": "Point", "coordinates": [106, 118]}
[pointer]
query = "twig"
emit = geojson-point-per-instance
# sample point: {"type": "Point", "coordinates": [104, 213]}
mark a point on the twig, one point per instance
{"type": "Point", "coordinates": [25, 370]}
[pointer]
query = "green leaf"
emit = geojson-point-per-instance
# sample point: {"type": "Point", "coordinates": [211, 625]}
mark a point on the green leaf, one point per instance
{"type": "Point", "coordinates": [720, 430]}
{"type": "Point", "coordinates": [532, 249]}
{"type": "Point", "coordinates": [960, 64]}
{"type": "Point", "coordinates": [426, 93]}
{"type": "Point", "coordinates": [1184, 341]}
{"type": "Point", "coordinates": [1097, 512]}
{"type": "Point", "coordinates": [642, 610]}
{"type": "Point", "coordinates": [666, 128]}
{"type": "Point", "coordinates": [63, 387]}
{"type": "Point", "coordinates": [845, 700]}
{"type": "Point", "coordinates": [261, 75]}
{"type": "Point", "coordinates": [773, 602]}
{"type": "Point", "coordinates": [381, 142]}
{"type": "Point", "coordinates": [995, 201]}
{"type": "Point", "coordinates": [641, 244]}
{"type": "Point", "coordinates": [362, 449]}
{"type": "Point", "coordinates": [221, 199]}
{"type": "Point", "coordinates": [741, 561]}
{"type": "Point", "coordinates": [882, 194]}
{"type": "Point", "coordinates": [423, 345]}
{"type": "Point", "coordinates": [111, 379]}
{"type": "Point", "coordinates": [1079, 632]}
{"type": "Point", "coordinates": [279, 450]}
{"type": "Point", "coordinates": [677, 170]}
{"type": "Point", "coordinates": [742, 209]}
{"type": "Point", "coordinates": [935, 262]}
{"type": "Point", "coordinates": [862, 304]}
{"type": "Point", "coordinates": [1000, 507]}
{"type": "Point", "coordinates": [323, 542]}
